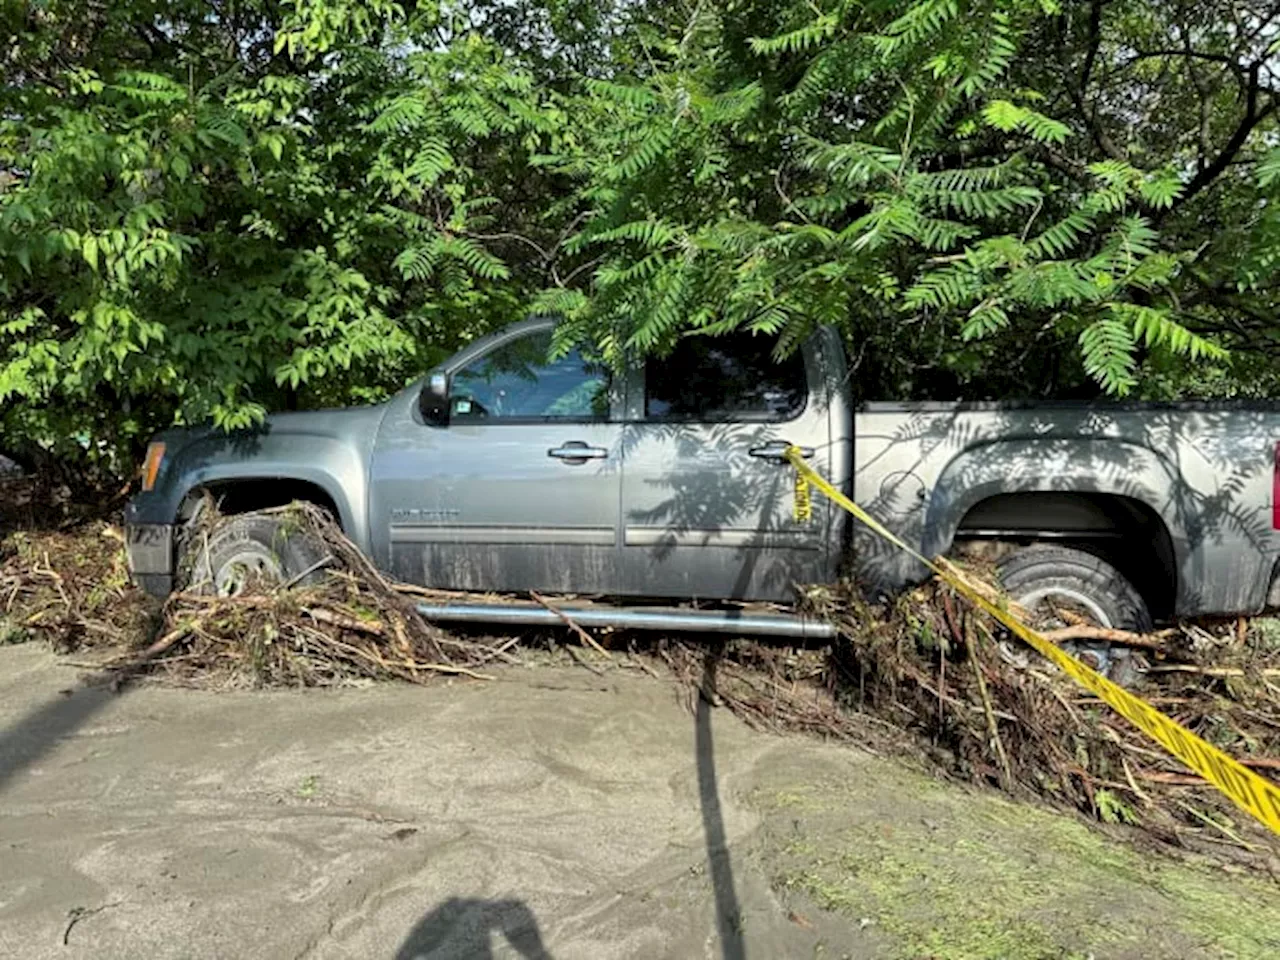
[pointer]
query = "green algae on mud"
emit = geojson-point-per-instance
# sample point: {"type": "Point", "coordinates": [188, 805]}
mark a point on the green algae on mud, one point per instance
{"type": "Point", "coordinates": [954, 874]}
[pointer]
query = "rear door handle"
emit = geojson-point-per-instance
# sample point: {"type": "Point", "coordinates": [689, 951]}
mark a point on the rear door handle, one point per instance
{"type": "Point", "coordinates": [575, 451]}
{"type": "Point", "coordinates": [777, 449]}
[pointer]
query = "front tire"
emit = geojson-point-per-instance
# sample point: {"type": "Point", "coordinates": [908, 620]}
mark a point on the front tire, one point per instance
{"type": "Point", "coordinates": [243, 551]}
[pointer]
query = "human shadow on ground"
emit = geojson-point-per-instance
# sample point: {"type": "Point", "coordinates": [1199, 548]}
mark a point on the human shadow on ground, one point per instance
{"type": "Point", "coordinates": [463, 928]}
{"type": "Point", "coordinates": [33, 737]}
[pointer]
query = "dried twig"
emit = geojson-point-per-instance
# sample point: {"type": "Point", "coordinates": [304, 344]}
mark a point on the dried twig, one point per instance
{"type": "Point", "coordinates": [1085, 631]}
{"type": "Point", "coordinates": [583, 661]}
{"type": "Point", "coordinates": [1226, 831]}
{"type": "Point", "coordinates": [992, 729]}
{"type": "Point", "coordinates": [157, 648]}
{"type": "Point", "coordinates": [76, 914]}
{"type": "Point", "coordinates": [1207, 671]}
{"type": "Point", "coordinates": [374, 627]}
{"type": "Point", "coordinates": [572, 625]}
{"type": "Point", "coordinates": [299, 577]}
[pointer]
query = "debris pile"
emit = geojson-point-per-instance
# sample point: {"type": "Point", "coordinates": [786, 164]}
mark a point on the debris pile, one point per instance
{"type": "Point", "coordinates": [70, 587]}
{"type": "Point", "coordinates": [985, 710]}
{"type": "Point", "coordinates": [928, 678]}
{"type": "Point", "coordinates": [352, 625]}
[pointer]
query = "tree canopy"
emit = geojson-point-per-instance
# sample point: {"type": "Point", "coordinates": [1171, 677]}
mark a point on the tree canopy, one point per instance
{"type": "Point", "coordinates": [214, 208]}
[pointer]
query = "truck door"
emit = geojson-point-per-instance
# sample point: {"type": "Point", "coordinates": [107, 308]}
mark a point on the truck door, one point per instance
{"type": "Point", "coordinates": [520, 490]}
{"type": "Point", "coordinates": [707, 502]}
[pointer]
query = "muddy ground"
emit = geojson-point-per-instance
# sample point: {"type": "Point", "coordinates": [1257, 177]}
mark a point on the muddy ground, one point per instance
{"type": "Point", "coordinates": [551, 813]}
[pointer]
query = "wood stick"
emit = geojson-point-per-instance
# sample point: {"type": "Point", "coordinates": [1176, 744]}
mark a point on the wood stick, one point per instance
{"type": "Point", "coordinates": [583, 661]}
{"type": "Point", "coordinates": [1193, 780]}
{"type": "Point", "coordinates": [1173, 779]}
{"type": "Point", "coordinates": [572, 624]}
{"type": "Point", "coordinates": [450, 668]}
{"type": "Point", "coordinates": [297, 577]}
{"type": "Point", "coordinates": [1086, 631]}
{"type": "Point", "coordinates": [988, 710]}
{"type": "Point", "coordinates": [640, 664]}
{"type": "Point", "coordinates": [419, 665]}
{"type": "Point", "coordinates": [211, 600]}
{"type": "Point", "coordinates": [157, 648]}
{"type": "Point", "coordinates": [1210, 671]}
{"type": "Point", "coordinates": [1261, 763]}
{"type": "Point", "coordinates": [1225, 831]}
{"type": "Point", "coordinates": [500, 651]}
{"type": "Point", "coordinates": [373, 627]}
{"type": "Point", "coordinates": [437, 592]}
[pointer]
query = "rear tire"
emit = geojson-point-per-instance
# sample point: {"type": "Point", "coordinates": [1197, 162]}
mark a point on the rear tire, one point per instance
{"type": "Point", "coordinates": [243, 550]}
{"type": "Point", "coordinates": [1049, 580]}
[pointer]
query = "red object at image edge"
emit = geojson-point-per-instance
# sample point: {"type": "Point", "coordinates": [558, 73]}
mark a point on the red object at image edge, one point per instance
{"type": "Point", "coordinates": [1275, 491]}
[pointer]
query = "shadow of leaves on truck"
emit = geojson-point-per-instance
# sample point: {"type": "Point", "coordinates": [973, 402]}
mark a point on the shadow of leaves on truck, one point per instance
{"type": "Point", "coordinates": [704, 517]}
{"type": "Point", "coordinates": [1182, 491]}
{"type": "Point", "coordinates": [1193, 477]}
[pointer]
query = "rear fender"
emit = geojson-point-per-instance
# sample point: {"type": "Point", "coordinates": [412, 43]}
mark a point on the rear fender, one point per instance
{"type": "Point", "coordinates": [1068, 465]}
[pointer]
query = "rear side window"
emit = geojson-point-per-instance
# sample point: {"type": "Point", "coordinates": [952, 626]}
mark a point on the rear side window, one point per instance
{"type": "Point", "coordinates": [732, 377]}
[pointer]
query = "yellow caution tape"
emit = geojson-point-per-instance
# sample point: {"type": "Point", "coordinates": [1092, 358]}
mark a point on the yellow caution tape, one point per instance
{"type": "Point", "coordinates": [1251, 793]}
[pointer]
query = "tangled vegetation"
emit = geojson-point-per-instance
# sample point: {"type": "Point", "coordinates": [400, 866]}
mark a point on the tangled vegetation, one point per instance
{"type": "Point", "coordinates": [211, 210]}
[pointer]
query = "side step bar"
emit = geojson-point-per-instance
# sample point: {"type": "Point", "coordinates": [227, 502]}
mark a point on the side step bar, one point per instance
{"type": "Point", "coordinates": [738, 622]}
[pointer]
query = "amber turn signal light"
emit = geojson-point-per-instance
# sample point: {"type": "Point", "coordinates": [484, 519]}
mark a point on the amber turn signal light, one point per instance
{"type": "Point", "coordinates": [151, 465]}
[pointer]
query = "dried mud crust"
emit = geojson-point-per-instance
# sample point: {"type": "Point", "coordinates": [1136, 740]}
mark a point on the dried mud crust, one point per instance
{"type": "Point", "coordinates": [584, 798]}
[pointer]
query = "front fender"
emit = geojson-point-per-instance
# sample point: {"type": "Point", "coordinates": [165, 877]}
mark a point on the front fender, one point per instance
{"type": "Point", "coordinates": [338, 466]}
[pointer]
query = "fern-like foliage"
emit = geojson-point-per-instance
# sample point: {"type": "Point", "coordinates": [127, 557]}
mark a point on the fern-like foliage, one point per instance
{"type": "Point", "coordinates": [1108, 348]}
{"type": "Point", "coordinates": [877, 161]}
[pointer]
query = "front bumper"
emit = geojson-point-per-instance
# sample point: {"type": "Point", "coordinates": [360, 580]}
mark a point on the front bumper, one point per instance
{"type": "Point", "coordinates": [150, 550]}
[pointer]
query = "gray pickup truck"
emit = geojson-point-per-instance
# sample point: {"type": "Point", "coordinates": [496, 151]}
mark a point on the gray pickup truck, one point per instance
{"type": "Point", "coordinates": [503, 471]}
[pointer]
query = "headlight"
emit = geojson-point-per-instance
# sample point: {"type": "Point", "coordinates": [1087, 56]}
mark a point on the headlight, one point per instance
{"type": "Point", "coordinates": [151, 465]}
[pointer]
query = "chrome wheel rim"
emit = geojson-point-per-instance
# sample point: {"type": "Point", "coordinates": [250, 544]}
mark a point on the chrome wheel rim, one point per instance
{"type": "Point", "coordinates": [248, 564]}
{"type": "Point", "coordinates": [1045, 606]}
{"type": "Point", "coordinates": [1034, 599]}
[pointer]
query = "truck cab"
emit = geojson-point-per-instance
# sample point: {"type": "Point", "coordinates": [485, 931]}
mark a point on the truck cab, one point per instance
{"type": "Point", "coordinates": [510, 471]}
{"type": "Point", "coordinates": [506, 470]}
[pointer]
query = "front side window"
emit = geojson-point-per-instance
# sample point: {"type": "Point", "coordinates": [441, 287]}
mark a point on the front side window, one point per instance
{"type": "Point", "coordinates": [733, 377]}
{"type": "Point", "coordinates": [516, 381]}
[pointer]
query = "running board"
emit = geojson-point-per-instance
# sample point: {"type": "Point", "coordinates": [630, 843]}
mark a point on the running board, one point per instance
{"type": "Point", "coordinates": [738, 622]}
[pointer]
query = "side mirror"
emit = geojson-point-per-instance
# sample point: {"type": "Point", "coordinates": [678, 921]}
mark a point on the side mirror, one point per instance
{"type": "Point", "coordinates": [433, 402]}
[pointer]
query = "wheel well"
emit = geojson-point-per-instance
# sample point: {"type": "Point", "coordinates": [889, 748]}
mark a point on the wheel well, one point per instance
{"type": "Point", "coordinates": [244, 496]}
{"type": "Point", "coordinates": [1123, 531]}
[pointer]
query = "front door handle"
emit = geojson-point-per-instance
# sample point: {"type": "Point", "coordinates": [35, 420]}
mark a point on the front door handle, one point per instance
{"type": "Point", "coordinates": [777, 450]}
{"type": "Point", "coordinates": [575, 451]}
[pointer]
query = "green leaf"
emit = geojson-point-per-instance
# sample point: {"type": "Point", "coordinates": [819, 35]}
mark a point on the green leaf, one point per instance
{"type": "Point", "coordinates": [1108, 348]}
{"type": "Point", "coordinates": [89, 248]}
{"type": "Point", "coordinates": [1269, 168]}
{"type": "Point", "coordinates": [1003, 115]}
{"type": "Point", "coordinates": [1161, 189]}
